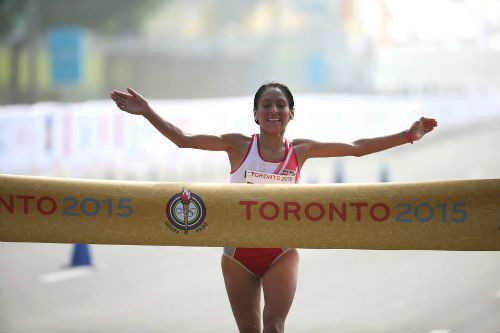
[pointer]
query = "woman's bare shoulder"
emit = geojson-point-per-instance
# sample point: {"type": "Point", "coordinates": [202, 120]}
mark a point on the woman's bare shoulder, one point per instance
{"type": "Point", "coordinates": [238, 140]}
{"type": "Point", "coordinates": [302, 142]}
{"type": "Point", "coordinates": [240, 144]}
{"type": "Point", "coordinates": [236, 137]}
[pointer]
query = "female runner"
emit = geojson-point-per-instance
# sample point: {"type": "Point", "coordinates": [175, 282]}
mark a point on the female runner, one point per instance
{"type": "Point", "coordinates": [247, 271]}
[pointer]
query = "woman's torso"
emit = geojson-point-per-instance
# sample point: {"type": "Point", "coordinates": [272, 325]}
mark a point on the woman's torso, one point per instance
{"type": "Point", "coordinates": [254, 162]}
{"type": "Point", "coordinates": [255, 169]}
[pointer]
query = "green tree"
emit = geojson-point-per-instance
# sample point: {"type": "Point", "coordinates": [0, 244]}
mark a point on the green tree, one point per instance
{"type": "Point", "coordinates": [22, 22]}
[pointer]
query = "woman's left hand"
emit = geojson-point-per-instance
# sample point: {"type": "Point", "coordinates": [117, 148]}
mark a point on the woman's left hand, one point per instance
{"type": "Point", "coordinates": [422, 127]}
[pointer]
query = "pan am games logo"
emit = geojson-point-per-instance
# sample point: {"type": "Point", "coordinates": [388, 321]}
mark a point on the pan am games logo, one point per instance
{"type": "Point", "coordinates": [185, 211]}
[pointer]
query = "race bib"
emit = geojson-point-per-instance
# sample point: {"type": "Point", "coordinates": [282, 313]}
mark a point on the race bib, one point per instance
{"type": "Point", "coordinates": [257, 177]}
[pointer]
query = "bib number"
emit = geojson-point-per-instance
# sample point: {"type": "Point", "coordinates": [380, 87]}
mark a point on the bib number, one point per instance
{"type": "Point", "coordinates": [257, 177]}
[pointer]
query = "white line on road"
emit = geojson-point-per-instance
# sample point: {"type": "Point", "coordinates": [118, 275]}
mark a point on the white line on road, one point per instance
{"type": "Point", "coordinates": [440, 331]}
{"type": "Point", "coordinates": [66, 274]}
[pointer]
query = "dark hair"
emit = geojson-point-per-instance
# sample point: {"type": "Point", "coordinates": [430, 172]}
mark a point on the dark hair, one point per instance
{"type": "Point", "coordinates": [282, 87]}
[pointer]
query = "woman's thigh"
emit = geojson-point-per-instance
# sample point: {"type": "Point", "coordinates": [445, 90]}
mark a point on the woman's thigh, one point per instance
{"type": "Point", "coordinates": [279, 284]}
{"type": "Point", "coordinates": [243, 291]}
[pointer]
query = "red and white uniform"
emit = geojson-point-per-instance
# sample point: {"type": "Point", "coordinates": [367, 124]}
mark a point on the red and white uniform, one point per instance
{"type": "Point", "coordinates": [255, 169]}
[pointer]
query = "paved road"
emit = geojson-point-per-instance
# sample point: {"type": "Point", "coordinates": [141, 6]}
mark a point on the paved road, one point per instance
{"type": "Point", "coordinates": [176, 289]}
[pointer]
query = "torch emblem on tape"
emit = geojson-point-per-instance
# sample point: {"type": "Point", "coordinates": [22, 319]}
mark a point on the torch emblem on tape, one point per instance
{"type": "Point", "coordinates": [185, 199]}
{"type": "Point", "coordinates": [185, 211]}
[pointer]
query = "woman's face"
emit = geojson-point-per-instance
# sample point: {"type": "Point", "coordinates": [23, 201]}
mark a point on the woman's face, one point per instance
{"type": "Point", "coordinates": [273, 112]}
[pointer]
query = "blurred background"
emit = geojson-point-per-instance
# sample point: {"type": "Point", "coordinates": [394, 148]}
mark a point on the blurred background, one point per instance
{"type": "Point", "coordinates": [357, 68]}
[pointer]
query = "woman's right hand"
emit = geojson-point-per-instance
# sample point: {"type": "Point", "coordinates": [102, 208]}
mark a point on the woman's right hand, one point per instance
{"type": "Point", "coordinates": [132, 103]}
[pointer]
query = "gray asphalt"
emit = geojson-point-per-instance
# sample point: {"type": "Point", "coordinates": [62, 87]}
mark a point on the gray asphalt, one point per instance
{"type": "Point", "coordinates": [179, 289]}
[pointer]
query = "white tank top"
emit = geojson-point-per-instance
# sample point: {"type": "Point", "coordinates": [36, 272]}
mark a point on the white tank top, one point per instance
{"type": "Point", "coordinates": [254, 162]}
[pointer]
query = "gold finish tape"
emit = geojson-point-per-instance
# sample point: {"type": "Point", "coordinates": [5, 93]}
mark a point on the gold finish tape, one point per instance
{"type": "Point", "coordinates": [445, 215]}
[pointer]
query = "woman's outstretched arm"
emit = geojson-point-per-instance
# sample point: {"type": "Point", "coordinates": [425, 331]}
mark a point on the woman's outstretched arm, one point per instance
{"type": "Point", "coordinates": [310, 149]}
{"type": "Point", "coordinates": [134, 103]}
